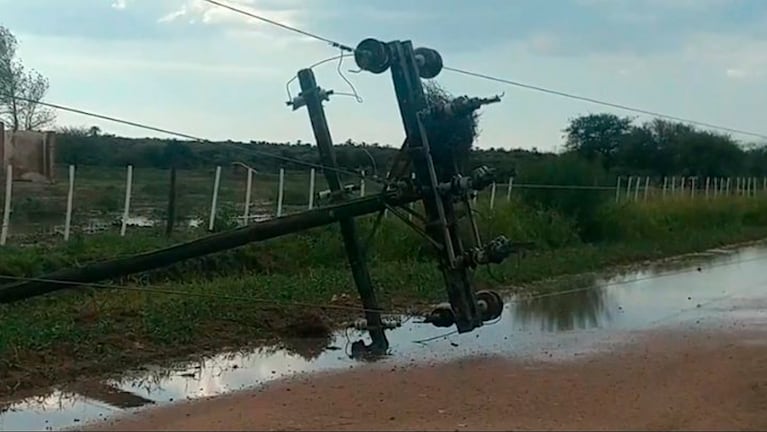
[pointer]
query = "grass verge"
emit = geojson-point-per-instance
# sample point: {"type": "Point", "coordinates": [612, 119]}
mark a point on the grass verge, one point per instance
{"type": "Point", "coordinates": [67, 335]}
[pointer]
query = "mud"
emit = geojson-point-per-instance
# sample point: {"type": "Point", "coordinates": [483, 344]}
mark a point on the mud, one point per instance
{"type": "Point", "coordinates": [602, 319]}
{"type": "Point", "coordinates": [661, 381]}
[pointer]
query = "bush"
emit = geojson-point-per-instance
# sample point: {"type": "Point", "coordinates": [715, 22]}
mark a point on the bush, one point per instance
{"type": "Point", "coordinates": [579, 205]}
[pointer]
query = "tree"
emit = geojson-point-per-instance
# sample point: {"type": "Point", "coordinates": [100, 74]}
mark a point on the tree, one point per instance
{"type": "Point", "coordinates": [21, 89]}
{"type": "Point", "coordinates": [8, 65]}
{"type": "Point", "coordinates": [598, 136]}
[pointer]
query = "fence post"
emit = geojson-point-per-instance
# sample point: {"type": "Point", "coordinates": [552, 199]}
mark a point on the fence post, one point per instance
{"type": "Point", "coordinates": [708, 184]}
{"type": "Point", "coordinates": [665, 186]}
{"type": "Point", "coordinates": [126, 206]}
{"type": "Point", "coordinates": [311, 188]}
{"type": "Point", "coordinates": [7, 209]}
{"type": "Point", "coordinates": [171, 216]}
{"type": "Point", "coordinates": [70, 197]}
{"type": "Point", "coordinates": [248, 195]}
{"type": "Point", "coordinates": [492, 196]}
{"type": "Point", "coordinates": [646, 186]}
{"type": "Point", "coordinates": [618, 190]}
{"type": "Point", "coordinates": [214, 201]}
{"type": "Point", "coordinates": [753, 186]}
{"type": "Point", "coordinates": [673, 185]}
{"type": "Point", "coordinates": [693, 182]}
{"type": "Point", "coordinates": [508, 192]}
{"type": "Point", "coordinates": [628, 188]}
{"type": "Point", "coordinates": [636, 189]}
{"type": "Point", "coordinates": [412, 204]}
{"type": "Point", "coordinates": [281, 192]}
{"type": "Point", "coordinates": [727, 185]}
{"type": "Point", "coordinates": [362, 184]}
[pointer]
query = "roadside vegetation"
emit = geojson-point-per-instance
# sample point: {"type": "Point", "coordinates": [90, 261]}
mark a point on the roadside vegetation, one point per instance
{"type": "Point", "coordinates": [250, 295]}
{"type": "Point", "coordinates": [244, 296]}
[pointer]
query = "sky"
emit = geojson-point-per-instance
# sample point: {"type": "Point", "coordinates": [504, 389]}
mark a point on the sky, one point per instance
{"type": "Point", "coordinates": [195, 68]}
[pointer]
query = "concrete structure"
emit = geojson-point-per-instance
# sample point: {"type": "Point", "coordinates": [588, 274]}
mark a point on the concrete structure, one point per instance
{"type": "Point", "coordinates": [31, 153]}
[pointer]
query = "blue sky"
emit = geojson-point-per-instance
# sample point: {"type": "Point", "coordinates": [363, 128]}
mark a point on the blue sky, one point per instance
{"type": "Point", "coordinates": [182, 65]}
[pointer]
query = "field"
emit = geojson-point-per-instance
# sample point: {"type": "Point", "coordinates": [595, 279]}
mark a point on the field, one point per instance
{"type": "Point", "coordinates": [99, 196]}
{"type": "Point", "coordinates": [282, 288]}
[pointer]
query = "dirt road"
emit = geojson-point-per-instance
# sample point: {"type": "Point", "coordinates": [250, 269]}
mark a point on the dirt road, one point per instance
{"type": "Point", "coordinates": [660, 381]}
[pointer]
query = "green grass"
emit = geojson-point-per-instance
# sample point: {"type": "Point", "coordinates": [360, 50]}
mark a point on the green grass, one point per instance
{"type": "Point", "coordinates": [99, 194]}
{"type": "Point", "coordinates": [59, 336]}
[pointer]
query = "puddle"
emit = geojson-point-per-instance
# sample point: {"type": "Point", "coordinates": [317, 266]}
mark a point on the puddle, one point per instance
{"type": "Point", "coordinates": [718, 287]}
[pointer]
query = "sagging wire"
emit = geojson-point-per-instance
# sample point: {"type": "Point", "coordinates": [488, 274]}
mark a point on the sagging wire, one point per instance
{"type": "Point", "coordinates": [340, 59]}
{"type": "Point", "coordinates": [311, 66]}
{"type": "Point", "coordinates": [454, 332]}
{"type": "Point", "coordinates": [356, 95]}
{"type": "Point", "coordinates": [233, 298]}
{"type": "Point", "coordinates": [610, 285]}
{"type": "Point", "coordinates": [241, 146]}
{"type": "Point", "coordinates": [488, 77]}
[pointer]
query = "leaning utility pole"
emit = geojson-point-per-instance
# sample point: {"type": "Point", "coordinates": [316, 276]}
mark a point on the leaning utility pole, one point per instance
{"type": "Point", "coordinates": [408, 66]}
{"type": "Point", "coordinates": [312, 96]}
{"type": "Point", "coordinates": [422, 171]}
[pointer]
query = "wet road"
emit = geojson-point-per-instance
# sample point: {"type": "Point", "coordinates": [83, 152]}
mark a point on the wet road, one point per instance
{"type": "Point", "coordinates": [718, 288]}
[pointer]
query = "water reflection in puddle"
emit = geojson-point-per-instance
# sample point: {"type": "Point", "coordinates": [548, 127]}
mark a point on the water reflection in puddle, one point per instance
{"type": "Point", "coordinates": [726, 286]}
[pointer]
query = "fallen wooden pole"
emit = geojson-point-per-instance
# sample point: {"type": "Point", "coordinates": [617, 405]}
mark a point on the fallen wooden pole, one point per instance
{"type": "Point", "coordinates": [207, 245]}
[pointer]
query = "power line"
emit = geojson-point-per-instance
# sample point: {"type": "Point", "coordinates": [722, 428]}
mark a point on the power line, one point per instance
{"type": "Point", "coordinates": [507, 81]}
{"type": "Point", "coordinates": [642, 279]}
{"type": "Point", "coordinates": [612, 285]}
{"type": "Point", "coordinates": [244, 147]}
{"type": "Point", "coordinates": [242, 299]}
{"type": "Point", "coordinates": [331, 42]}
{"type": "Point", "coordinates": [602, 102]}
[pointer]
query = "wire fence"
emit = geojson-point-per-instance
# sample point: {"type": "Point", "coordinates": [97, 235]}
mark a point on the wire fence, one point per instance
{"type": "Point", "coordinates": [89, 200]}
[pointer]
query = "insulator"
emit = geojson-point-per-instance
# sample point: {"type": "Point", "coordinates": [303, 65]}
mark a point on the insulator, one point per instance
{"type": "Point", "coordinates": [371, 55]}
{"type": "Point", "coordinates": [441, 316]}
{"type": "Point", "coordinates": [491, 304]}
{"type": "Point", "coordinates": [429, 62]}
{"type": "Point", "coordinates": [482, 177]}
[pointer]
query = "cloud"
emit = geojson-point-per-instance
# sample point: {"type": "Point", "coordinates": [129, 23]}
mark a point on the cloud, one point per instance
{"type": "Point", "coordinates": [120, 4]}
{"type": "Point", "coordinates": [736, 56]}
{"type": "Point", "coordinates": [201, 11]}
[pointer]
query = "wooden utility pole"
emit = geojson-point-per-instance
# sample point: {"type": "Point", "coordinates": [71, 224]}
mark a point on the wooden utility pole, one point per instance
{"type": "Point", "coordinates": [312, 96]}
{"type": "Point", "coordinates": [440, 213]}
{"type": "Point", "coordinates": [99, 271]}
{"type": "Point", "coordinates": [436, 181]}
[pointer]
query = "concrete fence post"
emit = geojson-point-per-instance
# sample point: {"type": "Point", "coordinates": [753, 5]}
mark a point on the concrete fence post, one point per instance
{"type": "Point", "coordinates": [70, 200]}
{"type": "Point", "coordinates": [248, 197]}
{"type": "Point", "coordinates": [646, 187]}
{"type": "Point", "coordinates": [214, 200]}
{"type": "Point", "coordinates": [7, 207]}
{"type": "Point", "coordinates": [281, 192]}
{"type": "Point", "coordinates": [312, 174]}
{"type": "Point", "coordinates": [126, 204]}
{"type": "Point", "coordinates": [492, 196]}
